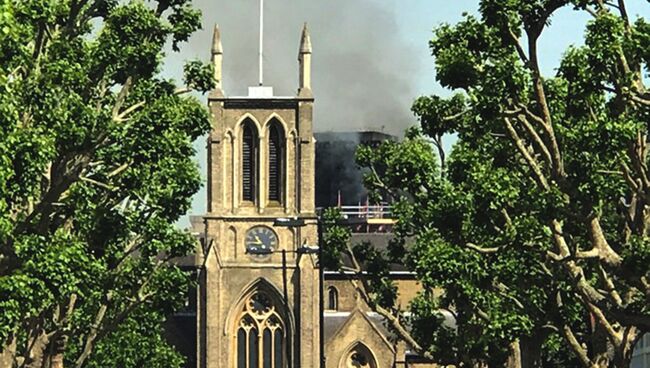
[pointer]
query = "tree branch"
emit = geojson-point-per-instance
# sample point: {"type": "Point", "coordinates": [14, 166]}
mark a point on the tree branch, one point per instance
{"type": "Point", "coordinates": [455, 116]}
{"type": "Point", "coordinates": [600, 243]}
{"type": "Point", "coordinates": [639, 99]}
{"type": "Point", "coordinates": [536, 138]}
{"type": "Point", "coordinates": [92, 334]}
{"type": "Point", "coordinates": [609, 286]}
{"type": "Point", "coordinates": [97, 183]}
{"type": "Point", "coordinates": [437, 141]}
{"type": "Point", "coordinates": [540, 97]}
{"type": "Point", "coordinates": [580, 352]}
{"type": "Point", "coordinates": [118, 170]}
{"type": "Point", "coordinates": [121, 96]}
{"type": "Point", "coordinates": [182, 90]}
{"type": "Point", "coordinates": [388, 315]}
{"type": "Point", "coordinates": [614, 336]}
{"type": "Point", "coordinates": [634, 186]}
{"type": "Point", "coordinates": [482, 250]}
{"type": "Point", "coordinates": [623, 11]}
{"type": "Point", "coordinates": [519, 48]}
{"type": "Point", "coordinates": [539, 176]}
{"type": "Point", "coordinates": [635, 153]}
{"type": "Point", "coordinates": [584, 289]}
{"type": "Point", "coordinates": [122, 116]}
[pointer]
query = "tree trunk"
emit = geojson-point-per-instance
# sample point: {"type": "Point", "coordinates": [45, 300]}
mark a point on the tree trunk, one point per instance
{"type": "Point", "coordinates": [36, 358]}
{"type": "Point", "coordinates": [57, 349]}
{"type": "Point", "coordinates": [623, 355]}
{"type": "Point", "coordinates": [531, 350]}
{"type": "Point", "coordinates": [514, 360]}
{"type": "Point", "coordinates": [623, 362]}
{"type": "Point", "coordinates": [8, 353]}
{"type": "Point", "coordinates": [602, 349]}
{"type": "Point", "coordinates": [527, 351]}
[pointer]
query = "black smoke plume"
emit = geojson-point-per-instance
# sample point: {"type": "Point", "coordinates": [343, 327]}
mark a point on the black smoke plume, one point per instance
{"type": "Point", "coordinates": [362, 72]}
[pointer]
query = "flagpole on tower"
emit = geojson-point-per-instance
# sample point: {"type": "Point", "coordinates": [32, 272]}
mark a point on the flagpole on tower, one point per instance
{"type": "Point", "coordinates": [261, 71]}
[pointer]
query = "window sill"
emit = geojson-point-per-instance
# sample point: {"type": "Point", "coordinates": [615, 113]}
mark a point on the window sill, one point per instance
{"type": "Point", "coordinates": [276, 204]}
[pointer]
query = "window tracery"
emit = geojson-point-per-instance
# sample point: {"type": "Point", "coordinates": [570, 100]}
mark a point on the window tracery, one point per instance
{"type": "Point", "coordinates": [261, 335]}
{"type": "Point", "coordinates": [359, 357]}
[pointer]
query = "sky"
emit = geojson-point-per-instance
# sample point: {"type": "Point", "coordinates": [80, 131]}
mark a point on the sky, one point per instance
{"type": "Point", "coordinates": [370, 58]}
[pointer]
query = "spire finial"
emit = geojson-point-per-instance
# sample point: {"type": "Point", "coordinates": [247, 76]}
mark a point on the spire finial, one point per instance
{"type": "Point", "coordinates": [304, 59]}
{"type": "Point", "coordinates": [216, 41]}
{"type": "Point", "coordinates": [305, 41]}
{"type": "Point", "coordinates": [217, 60]}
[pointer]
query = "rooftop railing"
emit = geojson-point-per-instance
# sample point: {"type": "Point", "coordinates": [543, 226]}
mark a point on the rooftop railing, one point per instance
{"type": "Point", "coordinates": [361, 211]}
{"type": "Point", "coordinates": [366, 211]}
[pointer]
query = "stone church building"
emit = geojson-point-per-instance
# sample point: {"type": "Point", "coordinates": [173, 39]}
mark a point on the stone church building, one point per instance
{"type": "Point", "coordinates": [262, 300]}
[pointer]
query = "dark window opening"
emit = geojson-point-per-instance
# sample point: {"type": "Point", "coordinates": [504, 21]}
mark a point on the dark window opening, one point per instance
{"type": "Point", "coordinates": [276, 162]}
{"type": "Point", "coordinates": [241, 348]}
{"type": "Point", "coordinates": [249, 162]}
{"type": "Point", "coordinates": [268, 357]}
{"type": "Point", "coordinates": [278, 348]}
{"type": "Point", "coordinates": [332, 299]}
{"type": "Point", "coordinates": [253, 349]}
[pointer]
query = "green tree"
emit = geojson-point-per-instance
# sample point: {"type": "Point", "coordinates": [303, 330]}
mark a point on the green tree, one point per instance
{"type": "Point", "coordinates": [95, 169]}
{"type": "Point", "coordinates": [537, 225]}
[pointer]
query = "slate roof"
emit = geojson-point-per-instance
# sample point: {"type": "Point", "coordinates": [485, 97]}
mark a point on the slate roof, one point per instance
{"type": "Point", "coordinates": [334, 320]}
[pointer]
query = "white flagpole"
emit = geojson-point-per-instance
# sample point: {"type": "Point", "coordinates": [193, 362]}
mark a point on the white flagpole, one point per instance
{"type": "Point", "coordinates": [261, 41]}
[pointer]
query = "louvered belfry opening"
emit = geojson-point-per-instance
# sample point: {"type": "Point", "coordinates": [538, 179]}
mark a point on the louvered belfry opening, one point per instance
{"type": "Point", "coordinates": [276, 162]}
{"type": "Point", "coordinates": [249, 162]}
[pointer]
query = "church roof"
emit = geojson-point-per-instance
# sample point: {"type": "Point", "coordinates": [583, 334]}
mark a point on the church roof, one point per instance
{"type": "Point", "coordinates": [334, 322]}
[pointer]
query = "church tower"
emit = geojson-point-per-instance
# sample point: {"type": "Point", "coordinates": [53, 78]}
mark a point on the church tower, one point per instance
{"type": "Point", "coordinates": [259, 291]}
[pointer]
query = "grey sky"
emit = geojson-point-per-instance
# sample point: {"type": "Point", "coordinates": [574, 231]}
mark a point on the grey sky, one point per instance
{"type": "Point", "coordinates": [370, 57]}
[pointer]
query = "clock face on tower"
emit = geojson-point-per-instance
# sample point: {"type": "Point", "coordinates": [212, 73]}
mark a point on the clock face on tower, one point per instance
{"type": "Point", "coordinates": [261, 238]}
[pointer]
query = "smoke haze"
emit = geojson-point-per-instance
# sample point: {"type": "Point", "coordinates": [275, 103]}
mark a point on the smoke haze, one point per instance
{"type": "Point", "coordinates": [363, 70]}
{"type": "Point", "coordinates": [365, 67]}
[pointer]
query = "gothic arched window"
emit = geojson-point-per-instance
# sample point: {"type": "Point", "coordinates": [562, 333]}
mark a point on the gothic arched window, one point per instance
{"type": "Point", "coordinates": [332, 298]}
{"type": "Point", "coordinates": [261, 335]}
{"type": "Point", "coordinates": [359, 357]}
{"type": "Point", "coordinates": [249, 162]}
{"type": "Point", "coordinates": [276, 162]}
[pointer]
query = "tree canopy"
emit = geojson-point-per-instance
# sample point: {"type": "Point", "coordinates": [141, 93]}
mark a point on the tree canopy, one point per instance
{"type": "Point", "coordinates": [536, 224]}
{"type": "Point", "coordinates": [96, 166]}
